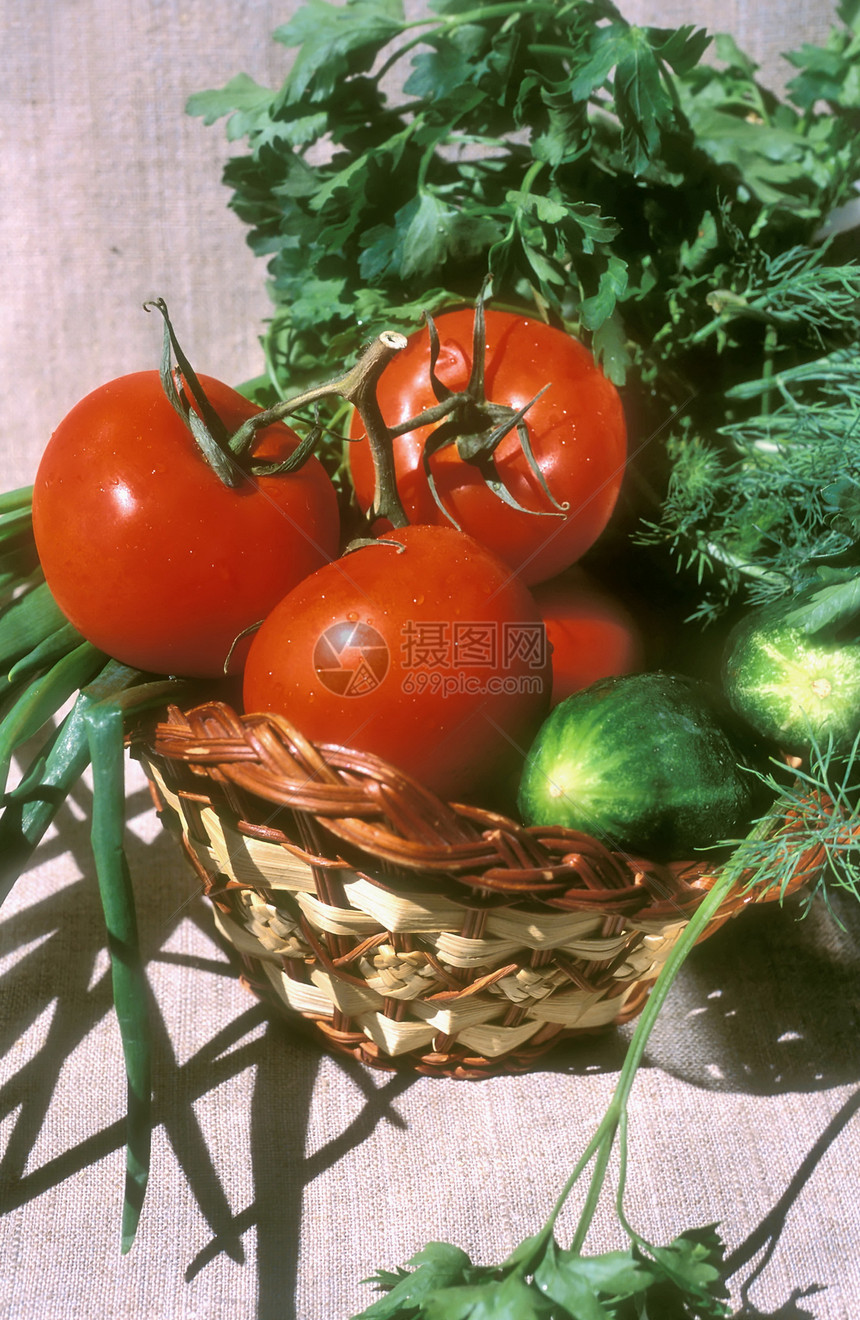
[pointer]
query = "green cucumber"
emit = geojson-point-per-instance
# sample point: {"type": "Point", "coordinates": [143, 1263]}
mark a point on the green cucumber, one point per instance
{"type": "Point", "coordinates": [653, 764]}
{"type": "Point", "coordinates": [799, 689]}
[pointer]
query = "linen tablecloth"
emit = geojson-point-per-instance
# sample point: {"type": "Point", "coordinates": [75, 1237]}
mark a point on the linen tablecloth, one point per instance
{"type": "Point", "coordinates": [283, 1177]}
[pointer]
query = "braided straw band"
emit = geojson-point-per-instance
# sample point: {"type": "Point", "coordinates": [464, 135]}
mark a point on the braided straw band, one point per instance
{"type": "Point", "coordinates": [410, 932]}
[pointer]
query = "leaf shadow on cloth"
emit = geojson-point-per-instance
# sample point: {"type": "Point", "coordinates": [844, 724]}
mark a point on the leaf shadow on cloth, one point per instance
{"type": "Point", "coordinates": [58, 981]}
{"type": "Point", "coordinates": [759, 1246]}
{"type": "Point", "coordinates": [769, 1004]}
{"type": "Point", "coordinates": [65, 931]}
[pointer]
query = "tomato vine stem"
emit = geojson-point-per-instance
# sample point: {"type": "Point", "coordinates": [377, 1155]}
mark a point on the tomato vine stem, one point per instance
{"type": "Point", "coordinates": [472, 422]}
{"type": "Point", "coordinates": [358, 387]}
{"type": "Point", "coordinates": [206, 426]}
{"type": "Point", "coordinates": [465, 417]}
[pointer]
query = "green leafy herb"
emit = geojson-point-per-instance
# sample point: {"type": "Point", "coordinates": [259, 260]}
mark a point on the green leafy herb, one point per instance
{"type": "Point", "coordinates": [44, 662]}
{"type": "Point", "coordinates": [664, 206]}
{"type": "Point", "coordinates": [773, 498]}
{"type": "Point", "coordinates": [812, 811]}
{"type": "Point", "coordinates": [667, 208]}
{"type": "Point", "coordinates": [676, 1282]}
{"type": "Point", "coordinates": [818, 806]}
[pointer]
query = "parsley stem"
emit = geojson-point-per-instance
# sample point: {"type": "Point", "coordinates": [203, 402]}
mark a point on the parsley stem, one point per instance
{"type": "Point", "coordinates": [470, 16]}
{"type": "Point", "coordinates": [505, 9]}
{"type": "Point", "coordinates": [614, 1119]}
{"type": "Point", "coordinates": [530, 175]}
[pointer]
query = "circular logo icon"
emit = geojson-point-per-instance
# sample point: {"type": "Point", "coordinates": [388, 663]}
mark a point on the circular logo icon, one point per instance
{"type": "Point", "coordinates": [351, 658]}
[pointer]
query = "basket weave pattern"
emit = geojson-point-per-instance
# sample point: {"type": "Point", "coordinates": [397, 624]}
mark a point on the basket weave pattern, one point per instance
{"type": "Point", "coordinates": [410, 932]}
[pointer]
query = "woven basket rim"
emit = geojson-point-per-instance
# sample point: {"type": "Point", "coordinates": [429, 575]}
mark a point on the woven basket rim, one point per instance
{"type": "Point", "coordinates": [363, 802]}
{"type": "Point", "coordinates": [446, 938]}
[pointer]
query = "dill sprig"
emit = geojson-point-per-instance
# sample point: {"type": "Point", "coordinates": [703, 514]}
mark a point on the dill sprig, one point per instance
{"type": "Point", "coordinates": [664, 206]}
{"type": "Point", "coordinates": [813, 821]}
{"type": "Point", "coordinates": [764, 502]}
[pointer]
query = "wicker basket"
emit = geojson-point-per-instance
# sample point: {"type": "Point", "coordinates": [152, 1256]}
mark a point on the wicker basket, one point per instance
{"type": "Point", "coordinates": [444, 938]}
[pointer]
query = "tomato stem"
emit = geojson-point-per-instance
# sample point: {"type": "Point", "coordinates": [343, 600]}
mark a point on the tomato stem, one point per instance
{"type": "Point", "coordinates": [358, 387]}
{"type": "Point", "coordinates": [476, 425]}
{"type": "Point", "coordinates": [473, 423]}
{"type": "Point", "coordinates": [206, 426]}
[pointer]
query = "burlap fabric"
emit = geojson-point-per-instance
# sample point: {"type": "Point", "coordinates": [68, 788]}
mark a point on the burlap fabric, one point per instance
{"type": "Point", "coordinates": [283, 1177]}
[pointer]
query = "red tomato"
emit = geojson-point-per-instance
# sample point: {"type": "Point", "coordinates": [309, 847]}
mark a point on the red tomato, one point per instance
{"type": "Point", "coordinates": [577, 433]}
{"type": "Point", "coordinates": [591, 634]}
{"type": "Point", "coordinates": [147, 552]}
{"type": "Point", "coordinates": [432, 657]}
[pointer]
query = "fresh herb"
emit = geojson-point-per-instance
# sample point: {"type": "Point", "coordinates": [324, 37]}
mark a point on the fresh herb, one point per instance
{"type": "Point", "coordinates": [774, 498]}
{"type": "Point", "coordinates": [542, 1281]}
{"type": "Point", "coordinates": [686, 1279]}
{"type": "Point", "coordinates": [44, 662]}
{"type": "Point", "coordinates": [820, 805]}
{"type": "Point", "coordinates": [636, 185]}
{"type": "Point", "coordinates": [669, 210]}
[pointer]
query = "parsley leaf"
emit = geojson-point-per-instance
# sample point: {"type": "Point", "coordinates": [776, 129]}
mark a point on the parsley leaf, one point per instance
{"type": "Point", "coordinates": [665, 207]}
{"type": "Point", "coordinates": [333, 41]}
{"type": "Point", "coordinates": [511, 1298]}
{"type": "Point", "coordinates": [246, 104]}
{"type": "Point", "coordinates": [438, 1266]}
{"type": "Point", "coordinates": [681, 1281]}
{"type": "Point", "coordinates": [578, 1282]}
{"type": "Point", "coordinates": [693, 1263]}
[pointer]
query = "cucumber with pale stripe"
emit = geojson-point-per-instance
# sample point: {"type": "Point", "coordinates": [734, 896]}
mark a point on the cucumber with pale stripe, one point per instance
{"type": "Point", "coordinates": [653, 764]}
{"type": "Point", "coordinates": [795, 687]}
